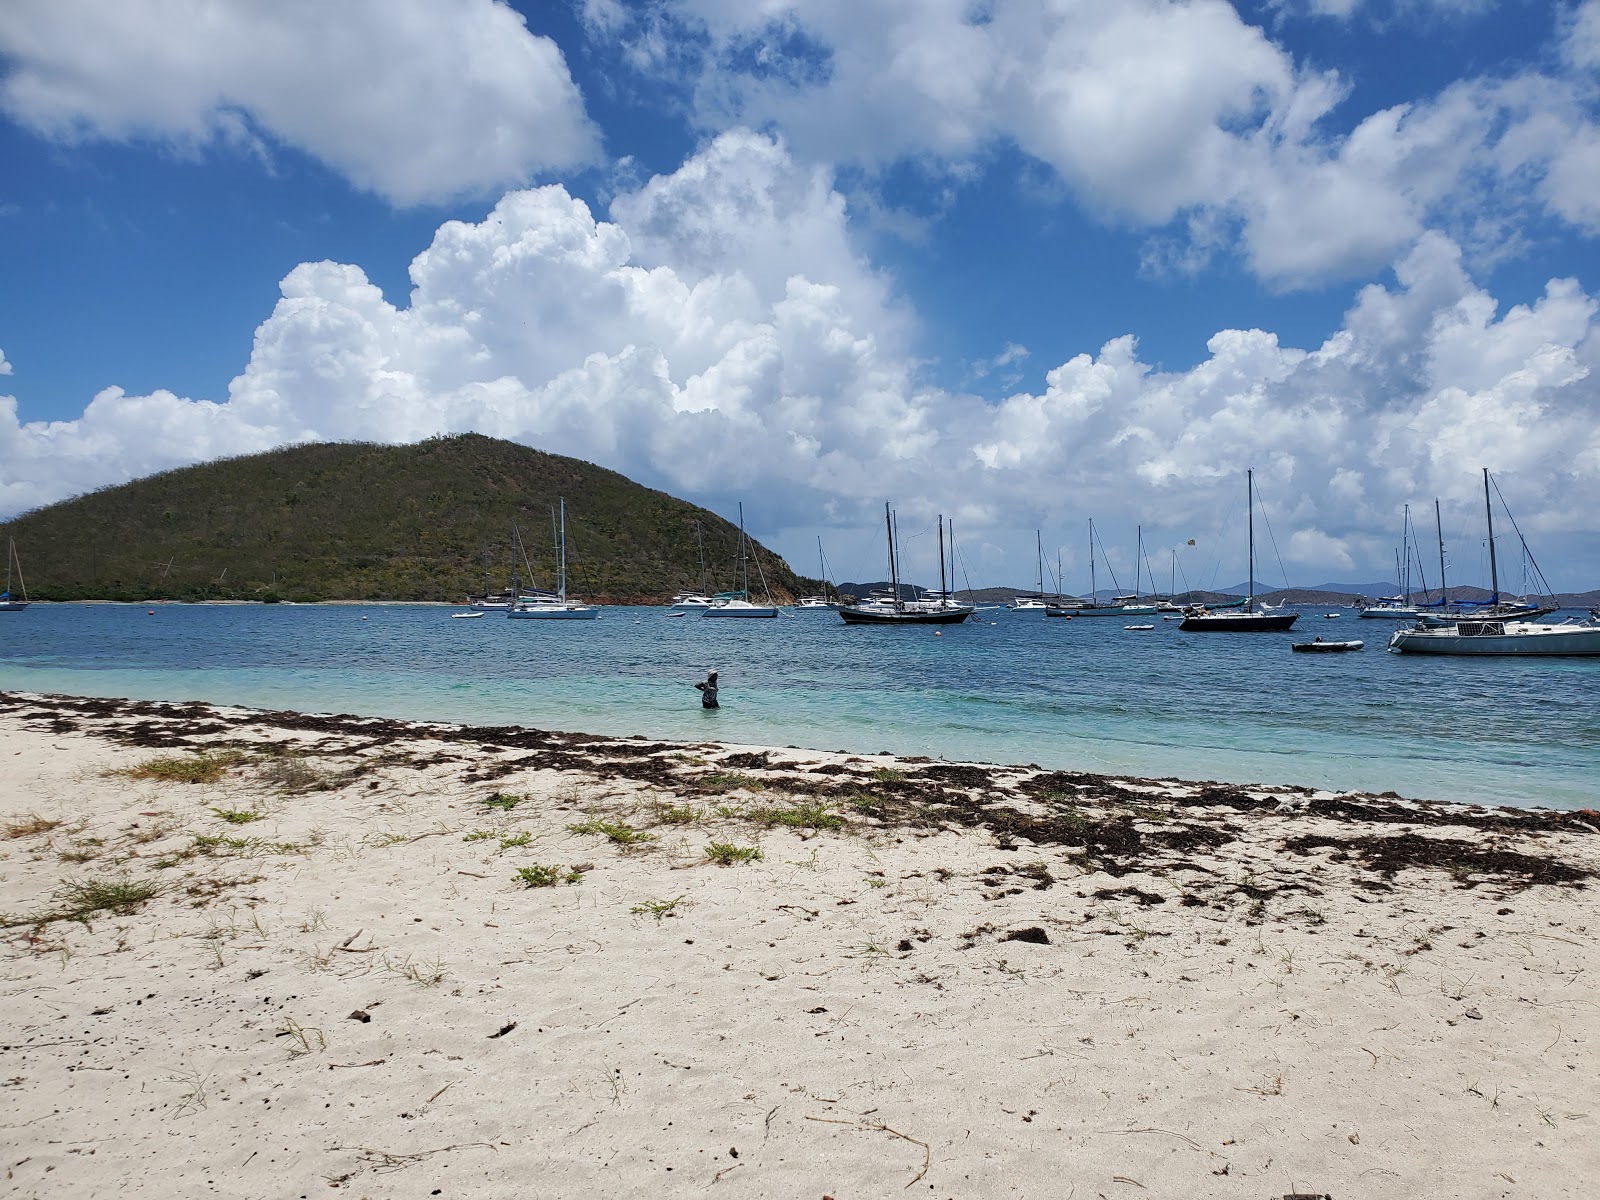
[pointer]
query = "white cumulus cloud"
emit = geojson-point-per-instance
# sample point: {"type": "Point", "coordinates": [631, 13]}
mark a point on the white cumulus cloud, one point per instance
{"type": "Point", "coordinates": [415, 100]}
{"type": "Point", "coordinates": [780, 370]}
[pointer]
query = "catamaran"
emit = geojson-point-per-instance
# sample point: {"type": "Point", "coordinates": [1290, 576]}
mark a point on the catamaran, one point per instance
{"type": "Point", "coordinates": [738, 604]}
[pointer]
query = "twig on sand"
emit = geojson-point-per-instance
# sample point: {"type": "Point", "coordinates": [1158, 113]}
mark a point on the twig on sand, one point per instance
{"type": "Point", "coordinates": [384, 1160]}
{"type": "Point", "coordinates": [880, 1127]}
{"type": "Point", "coordinates": [348, 948]}
{"type": "Point", "coordinates": [927, 1154]}
{"type": "Point", "coordinates": [1153, 1129]}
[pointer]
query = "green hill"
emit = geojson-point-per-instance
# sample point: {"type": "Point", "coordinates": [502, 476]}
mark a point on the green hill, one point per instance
{"type": "Point", "coordinates": [356, 521]}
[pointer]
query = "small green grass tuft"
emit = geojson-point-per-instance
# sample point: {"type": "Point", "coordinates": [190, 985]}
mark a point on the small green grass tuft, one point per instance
{"type": "Point", "coordinates": [726, 854]}
{"type": "Point", "coordinates": [810, 814]}
{"type": "Point", "coordinates": [480, 835]}
{"type": "Point", "coordinates": [614, 831]}
{"type": "Point", "coordinates": [80, 899]}
{"type": "Point", "coordinates": [236, 816]}
{"type": "Point", "coordinates": [539, 875]}
{"type": "Point", "coordinates": [504, 801]}
{"type": "Point", "coordinates": [676, 814]}
{"type": "Point", "coordinates": [657, 908]}
{"type": "Point", "coordinates": [207, 767]}
{"type": "Point", "coordinates": [516, 839]}
{"type": "Point", "coordinates": [888, 775]}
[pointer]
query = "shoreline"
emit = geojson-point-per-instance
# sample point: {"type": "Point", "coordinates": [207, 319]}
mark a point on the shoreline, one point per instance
{"type": "Point", "coordinates": [925, 976]}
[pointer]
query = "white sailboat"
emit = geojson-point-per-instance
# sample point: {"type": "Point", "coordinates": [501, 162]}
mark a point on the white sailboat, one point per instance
{"type": "Point", "coordinates": [818, 601]}
{"type": "Point", "coordinates": [7, 603]}
{"type": "Point", "coordinates": [1035, 602]}
{"type": "Point", "coordinates": [688, 602]}
{"type": "Point", "coordinates": [1499, 635]}
{"type": "Point", "coordinates": [737, 604]}
{"type": "Point", "coordinates": [544, 606]}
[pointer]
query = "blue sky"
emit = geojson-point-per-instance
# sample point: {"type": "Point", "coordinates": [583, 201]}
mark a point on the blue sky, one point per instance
{"type": "Point", "coordinates": [1024, 264]}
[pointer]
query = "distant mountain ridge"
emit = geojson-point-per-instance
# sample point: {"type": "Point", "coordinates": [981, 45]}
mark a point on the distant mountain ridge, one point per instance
{"type": "Point", "coordinates": [361, 521]}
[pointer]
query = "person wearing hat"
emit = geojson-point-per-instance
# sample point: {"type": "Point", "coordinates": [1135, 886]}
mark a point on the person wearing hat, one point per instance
{"type": "Point", "coordinates": [708, 690]}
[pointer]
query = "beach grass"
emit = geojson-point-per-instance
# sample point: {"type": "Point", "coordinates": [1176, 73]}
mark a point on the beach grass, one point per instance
{"type": "Point", "coordinates": [206, 766]}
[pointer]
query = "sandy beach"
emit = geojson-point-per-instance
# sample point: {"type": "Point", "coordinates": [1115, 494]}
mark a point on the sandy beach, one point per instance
{"type": "Point", "coordinates": [275, 954]}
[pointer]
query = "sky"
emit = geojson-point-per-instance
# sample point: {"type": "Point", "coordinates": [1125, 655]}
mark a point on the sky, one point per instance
{"type": "Point", "coordinates": [1025, 264]}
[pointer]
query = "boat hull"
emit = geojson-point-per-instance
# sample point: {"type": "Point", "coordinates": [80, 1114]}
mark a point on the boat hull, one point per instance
{"type": "Point", "coordinates": [1110, 610]}
{"type": "Point", "coordinates": [889, 616]}
{"type": "Point", "coordinates": [1327, 647]}
{"type": "Point", "coordinates": [578, 613]}
{"type": "Point", "coordinates": [1238, 622]}
{"type": "Point", "coordinates": [1525, 639]}
{"type": "Point", "coordinates": [741, 610]}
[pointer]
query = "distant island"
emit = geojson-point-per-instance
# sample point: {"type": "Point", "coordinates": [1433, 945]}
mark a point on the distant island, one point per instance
{"type": "Point", "coordinates": [361, 521]}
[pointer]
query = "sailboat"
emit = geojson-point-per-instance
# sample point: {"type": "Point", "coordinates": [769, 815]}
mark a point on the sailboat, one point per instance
{"type": "Point", "coordinates": [938, 609]}
{"type": "Point", "coordinates": [1517, 634]}
{"type": "Point", "coordinates": [7, 604]}
{"type": "Point", "coordinates": [1245, 619]}
{"type": "Point", "coordinates": [737, 604]}
{"type": "Point", "coordinates": [494, 601]}
{"type": "Point", "coordinates": [822, 568]}
{"type": "Point", "coordinates": [1035, 602]}
{"type": "Point", "coordinates": [687, 602]}
{"type": "Point", "coordinates": [543, 606]}
{"type": "Point", "coordinates": [1399, 607]}
{"type": "Point", "coordinates": [1119, 606]}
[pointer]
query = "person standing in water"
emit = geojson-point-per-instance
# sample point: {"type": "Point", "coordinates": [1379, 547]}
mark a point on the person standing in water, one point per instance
{"type": "Point", "coordinates": [708, 691]}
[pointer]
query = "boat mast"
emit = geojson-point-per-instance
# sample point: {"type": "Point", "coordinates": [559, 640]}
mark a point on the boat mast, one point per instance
{"type": "Point", "coordinates": [1038, 541]}
{"type": "Point", "coordinates": [1438, 521]}
{"type": "Point", "coordinates": [941, 559]}
{"type": "Point", "coordinates": [894, 579]}
{"type": "Point", "coordinates": [822, 567]}
{"type": "Point", "coordinates": [1250, 510]}
{"type": "Point", "coordinates": [1092, 600]}
{"type": "Point", "coordinates": [1494, 573]}
{"type": "Point", "coordinates": [563, 568]}
{"type": "Point", "coordinates": [1405, 555]}
{"type": "Point", "coordinates": [699, 541]}
{"type": "Point", "coordinates": [1138, 557]}
{"type": "Point", "coordinates": [744, 566]}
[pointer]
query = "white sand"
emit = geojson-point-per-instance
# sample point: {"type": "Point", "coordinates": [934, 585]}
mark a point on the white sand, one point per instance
{"type": "Point", "coordinates": [839, 1018]}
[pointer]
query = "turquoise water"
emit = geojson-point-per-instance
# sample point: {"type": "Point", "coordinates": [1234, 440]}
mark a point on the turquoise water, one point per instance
{"type": "Point", "coordinates": [1085, 694]}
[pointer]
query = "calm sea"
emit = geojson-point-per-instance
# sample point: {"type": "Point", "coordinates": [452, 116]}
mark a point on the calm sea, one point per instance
{"type": "Point", "coordinates": [1005, 687]}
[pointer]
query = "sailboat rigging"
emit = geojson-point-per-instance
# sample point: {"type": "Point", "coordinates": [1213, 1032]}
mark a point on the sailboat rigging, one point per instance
{"type": "Point", "coordinates": [737, 604]}
{"type": "Point", "coordinates": [544, 605]}
{"type": "Point", "coordinates": [1245, 619]}
{"type": "Point", "coordinates": [937, 609]}
{"type": "Point", "coordinates": [7, 604]}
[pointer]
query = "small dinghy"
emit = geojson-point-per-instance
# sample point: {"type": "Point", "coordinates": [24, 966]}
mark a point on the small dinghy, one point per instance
{"type": "Point", "coordinates": [1318, 646]}
{"type": "Point", "coordinates": [466, 616]}
{"type": "Point", "coordinates": [1138, 626]}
